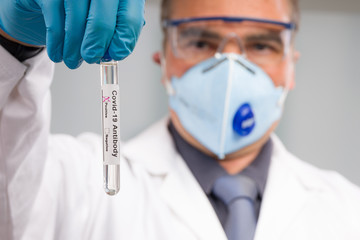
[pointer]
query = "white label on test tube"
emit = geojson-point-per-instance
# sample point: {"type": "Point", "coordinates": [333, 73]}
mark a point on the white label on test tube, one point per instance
{"type": "Point", "coordinates": [111, 124]}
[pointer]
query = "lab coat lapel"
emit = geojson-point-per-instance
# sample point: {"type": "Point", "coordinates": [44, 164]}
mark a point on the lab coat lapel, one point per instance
{"type": "Point", "coordinates": [286, 194]}
{"type": "Point", "coordinates": [179, 190]}
{"type": "Point", "coordinates": [184, 196]}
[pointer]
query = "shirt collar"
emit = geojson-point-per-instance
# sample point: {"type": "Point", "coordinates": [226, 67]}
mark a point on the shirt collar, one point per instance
{"type": "Point", "coordinates": [207, 170]}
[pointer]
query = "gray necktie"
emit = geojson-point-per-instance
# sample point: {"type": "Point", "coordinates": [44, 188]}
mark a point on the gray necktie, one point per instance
{"type": "Point", "coordinates": [238, 192]}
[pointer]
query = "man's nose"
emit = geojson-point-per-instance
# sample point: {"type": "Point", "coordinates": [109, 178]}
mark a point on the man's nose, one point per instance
{"type": "Point", "coordinates": [231, 44]}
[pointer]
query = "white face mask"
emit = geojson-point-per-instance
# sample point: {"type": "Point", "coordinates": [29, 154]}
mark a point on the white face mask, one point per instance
{"type": "Point", "coordinates": [226, 102]}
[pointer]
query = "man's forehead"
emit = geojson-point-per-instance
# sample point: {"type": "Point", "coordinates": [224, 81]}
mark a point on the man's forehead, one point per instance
{"type": "Point", "coordinates": [267, 9]}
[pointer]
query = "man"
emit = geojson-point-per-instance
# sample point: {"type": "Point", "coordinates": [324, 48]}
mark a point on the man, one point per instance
{"type": "Point", "coordinates": [227, 66]}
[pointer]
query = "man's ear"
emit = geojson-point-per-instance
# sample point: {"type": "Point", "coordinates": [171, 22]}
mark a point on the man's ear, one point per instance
{"type": "Point", "coordinates": [156, 58]}
{"type": "Point", "coordinates": [297, 55]}
{"type": "Point", "coordinates": [292, 84]}
{"type": "Point", "coordinates": [160, 61]}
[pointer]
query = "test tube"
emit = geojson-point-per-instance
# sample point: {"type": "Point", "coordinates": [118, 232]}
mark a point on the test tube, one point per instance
{"type": "Point", "coordinates": [110, 126]}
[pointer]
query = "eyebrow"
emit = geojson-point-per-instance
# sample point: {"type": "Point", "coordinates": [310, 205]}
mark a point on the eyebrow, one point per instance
{"type": "Point", "coordinates": [270, 36]}
{"type": "Point", "coordinates": [194, 31]}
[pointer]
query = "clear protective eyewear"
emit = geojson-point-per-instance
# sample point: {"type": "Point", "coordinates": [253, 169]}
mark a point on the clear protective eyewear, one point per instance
{"type": "Point", "coordinates": [263, 42]}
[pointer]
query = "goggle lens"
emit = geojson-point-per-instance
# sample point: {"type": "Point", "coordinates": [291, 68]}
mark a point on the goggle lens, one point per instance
{"type": "Point", "coordinates": [261, 43]}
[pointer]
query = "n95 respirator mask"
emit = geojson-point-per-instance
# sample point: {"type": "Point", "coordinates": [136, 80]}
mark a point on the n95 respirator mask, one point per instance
{"type": "Point", "coordinates": [226, 102]}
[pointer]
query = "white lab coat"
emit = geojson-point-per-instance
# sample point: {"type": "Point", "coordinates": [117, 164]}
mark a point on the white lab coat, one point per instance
{"type": "Point", "coordinates": [51, 185]}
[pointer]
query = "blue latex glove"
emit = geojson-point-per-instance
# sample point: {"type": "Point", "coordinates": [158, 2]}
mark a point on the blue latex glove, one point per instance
{"type": "Point", "coordinates": [73, 30]}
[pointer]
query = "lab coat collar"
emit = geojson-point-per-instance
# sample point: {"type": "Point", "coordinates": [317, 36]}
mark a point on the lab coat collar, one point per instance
{"type": "Point", "coordinates": [180, 190]}
{"type": "Point", "coordinates": [289, 189]}
{"type": "Point", "coordinates": [185, 197]}
{"type": "Point", "coordinates": [154, 149]}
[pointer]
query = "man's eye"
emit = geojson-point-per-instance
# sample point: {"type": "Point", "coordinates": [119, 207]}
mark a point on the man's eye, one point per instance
{"type": "Point", "coordinates": [199, 44]}
{"type": "Point", "coordinates": [261, 47]}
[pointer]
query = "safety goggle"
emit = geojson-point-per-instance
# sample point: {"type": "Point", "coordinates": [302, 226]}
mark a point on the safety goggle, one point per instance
{"type": "Point", "coordinates": [264, 42]}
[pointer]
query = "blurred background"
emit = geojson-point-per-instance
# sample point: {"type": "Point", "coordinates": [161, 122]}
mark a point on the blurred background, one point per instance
{"type": "Point", "coordinates": [321, 123]}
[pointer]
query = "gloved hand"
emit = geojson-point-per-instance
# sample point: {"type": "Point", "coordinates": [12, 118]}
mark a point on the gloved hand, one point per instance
{"type": "Point", "coordinates": [73, 30]}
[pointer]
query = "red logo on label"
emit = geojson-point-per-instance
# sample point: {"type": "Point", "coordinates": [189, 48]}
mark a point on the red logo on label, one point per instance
{"type": "Point", "coordinates": [106, 99]}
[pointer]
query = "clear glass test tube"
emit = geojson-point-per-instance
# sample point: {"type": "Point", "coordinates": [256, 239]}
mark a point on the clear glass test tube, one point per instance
{"type": "Point", "coordinates": [110, 126]}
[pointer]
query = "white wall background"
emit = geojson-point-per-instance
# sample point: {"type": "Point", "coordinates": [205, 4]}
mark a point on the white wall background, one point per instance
{"type": "Point", "coordinates": [321, 123]}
